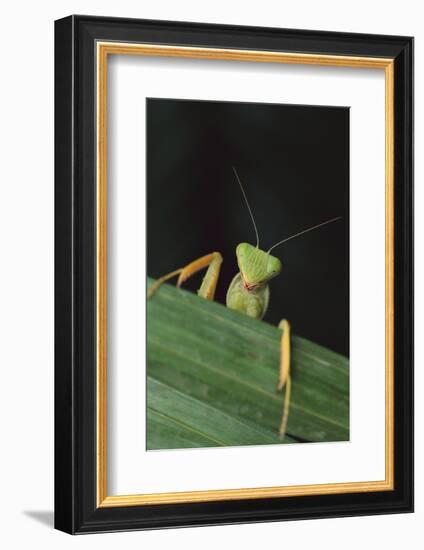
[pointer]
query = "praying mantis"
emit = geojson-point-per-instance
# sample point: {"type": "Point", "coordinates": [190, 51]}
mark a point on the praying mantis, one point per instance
{"type": "Point", "coordinates": [248, 292]}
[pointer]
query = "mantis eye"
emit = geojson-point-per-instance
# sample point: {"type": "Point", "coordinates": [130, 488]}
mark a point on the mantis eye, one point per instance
{"type": "Point", "coordinates": [274, 266]}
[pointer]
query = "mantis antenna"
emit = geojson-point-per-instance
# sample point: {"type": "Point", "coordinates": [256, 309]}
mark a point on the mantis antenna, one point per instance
{"type": "Point", "coordinates": [304, 231]}
{"type": "Point", "coordinates": [248, 207]}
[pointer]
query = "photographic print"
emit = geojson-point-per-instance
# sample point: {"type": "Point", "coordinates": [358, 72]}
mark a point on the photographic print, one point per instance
{"type": "Point", "coordinates": [248, 274]}
{"type": "Point", "coordinates": [233, 266]}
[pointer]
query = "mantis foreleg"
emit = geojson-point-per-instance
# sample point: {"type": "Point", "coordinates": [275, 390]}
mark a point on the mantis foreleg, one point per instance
{"type": "Point", "coordinates": [285, 378]}
{"type": "Point", "coordinates": [212, 261]}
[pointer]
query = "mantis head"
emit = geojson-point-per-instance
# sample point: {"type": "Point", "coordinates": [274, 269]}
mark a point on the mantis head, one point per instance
{"type": "Point", "coordinates": [256, 266]}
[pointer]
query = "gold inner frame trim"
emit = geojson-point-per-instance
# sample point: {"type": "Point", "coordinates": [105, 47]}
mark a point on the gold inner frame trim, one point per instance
{"type": "Point", "coordinates": [104, 49]}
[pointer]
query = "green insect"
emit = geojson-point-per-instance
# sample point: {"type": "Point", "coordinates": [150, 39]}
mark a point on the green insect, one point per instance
{"type": "Point", "coordinates": [248, 292]}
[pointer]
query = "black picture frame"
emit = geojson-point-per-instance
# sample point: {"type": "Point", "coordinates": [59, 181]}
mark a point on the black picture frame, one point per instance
{"type": "Point", "coordinates": [76, 505]}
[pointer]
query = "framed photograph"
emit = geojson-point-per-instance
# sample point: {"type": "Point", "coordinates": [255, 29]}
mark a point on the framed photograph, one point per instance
{"type": "Point", "coordinates": [233, 265]}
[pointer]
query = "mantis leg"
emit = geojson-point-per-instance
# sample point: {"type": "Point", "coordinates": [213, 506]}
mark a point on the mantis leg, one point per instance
{"type": "Point", "coordinates": [212, 261]}
{"type": "Point", "coordinates": [285, 378]}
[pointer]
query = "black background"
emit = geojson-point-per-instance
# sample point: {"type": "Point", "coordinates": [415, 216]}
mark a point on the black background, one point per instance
{"type": "Point", "coordinates": [293, 161]}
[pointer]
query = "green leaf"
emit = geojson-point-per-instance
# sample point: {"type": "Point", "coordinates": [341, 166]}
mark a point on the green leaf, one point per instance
{"type": "Point", "coordinates": [212, 375]}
